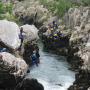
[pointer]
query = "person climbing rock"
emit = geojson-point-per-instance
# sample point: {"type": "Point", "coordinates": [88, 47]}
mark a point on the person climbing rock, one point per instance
{"type": "Point", "coordinates": [21, 37]}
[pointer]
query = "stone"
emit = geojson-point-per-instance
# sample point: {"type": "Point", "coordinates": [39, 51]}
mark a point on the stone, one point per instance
{"type": "Point", "coordinates": [80, 37]}
{"type": "Point", "coordinates": [31, 12]}
{"type": "Point", "coordinates": [12, 65]}
{"type": "Point", "coordinates": [31, 32]}
{"type": "Point", "coordinates": [30, 84]}
{"type": "Point", "coordinates": [9, 34]}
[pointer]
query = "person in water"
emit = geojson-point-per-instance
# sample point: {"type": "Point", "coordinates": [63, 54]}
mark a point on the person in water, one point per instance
{"type": "Point", "coordinates": [34, 58]}
{"type": "Point", "coordinates": [37, 54]}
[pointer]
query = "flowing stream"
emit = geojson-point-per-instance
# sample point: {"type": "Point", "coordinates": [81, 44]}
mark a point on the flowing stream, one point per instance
{"type": "Point", "coordinates": [52, 71]}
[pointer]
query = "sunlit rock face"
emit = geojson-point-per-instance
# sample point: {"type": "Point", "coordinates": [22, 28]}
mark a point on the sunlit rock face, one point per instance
{"type": "Point", "coordinates": [31, 32]}
{"type": "Point", "coordinates": [12, 70]}
{"type": "Point", "coordinates": [9, 32]}
{"type": "Point", "coordinates": [78, 20]}
{"type": "Point", "coordinates": [27, 10]}
{"type": "Point", "coordinates": [12, 65]}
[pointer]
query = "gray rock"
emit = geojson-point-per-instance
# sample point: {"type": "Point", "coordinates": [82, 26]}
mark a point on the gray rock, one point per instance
{"type": "Point", "coordinates": [12, 65]}
{"type": "Point", "coordinates": [31, 32]}
{"type": "Point", "coordinates": [27, 10]}
{"type": "Point", "coordinates": [30, 84]}
{"type": "Point", "coordinates": [9, 34]}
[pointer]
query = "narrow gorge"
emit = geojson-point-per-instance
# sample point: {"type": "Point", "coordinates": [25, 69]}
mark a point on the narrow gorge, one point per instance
{"type": "Point", "coordinates": [59, 30]}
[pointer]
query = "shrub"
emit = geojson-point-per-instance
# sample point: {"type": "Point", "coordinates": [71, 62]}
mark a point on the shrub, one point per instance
{"type": "Point", "coordinates": [6, 12]}
{"type": "Point", "coordinates": [86, 2]}
{"type": "Point", "coordinates": [58, 7]}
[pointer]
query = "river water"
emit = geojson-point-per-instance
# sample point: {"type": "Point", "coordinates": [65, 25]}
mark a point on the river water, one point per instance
{"type": "Point", "coordinates": [52, 72]}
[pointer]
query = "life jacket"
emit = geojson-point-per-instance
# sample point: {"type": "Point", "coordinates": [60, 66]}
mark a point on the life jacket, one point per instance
{"type": "Point", "coordinates": [33, 57]}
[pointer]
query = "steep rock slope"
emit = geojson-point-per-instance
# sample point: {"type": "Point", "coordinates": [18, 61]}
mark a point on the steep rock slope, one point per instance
{"type": "Point", "coordinates": [79, 51]}
{"type": "Point", "coordinates": [31, 12]}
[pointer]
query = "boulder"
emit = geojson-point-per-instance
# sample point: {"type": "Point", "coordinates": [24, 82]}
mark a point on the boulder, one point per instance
{"type": "Point", "coordinates": [31, 12]}
{"type": "Point", "coordinates": [11, 69]}
{"type": "Point", "coordinates": [15, 66]}
{"type": "Point", "coordinates": [30, 84]}
{"type": "Point", "coordinates": [89, 88]}
{"type": "Point", "coordinates": [9, 34]}
{"type": "Point", "coordinates": [31, 32]}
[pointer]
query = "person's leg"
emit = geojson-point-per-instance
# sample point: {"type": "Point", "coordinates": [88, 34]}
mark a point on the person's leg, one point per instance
{"type": "Point", "coordinates": [0, 57]}
{"type": "Point", "coordinates": [36, 61]}
{"type": "Point", "coordinates": [21, 44]}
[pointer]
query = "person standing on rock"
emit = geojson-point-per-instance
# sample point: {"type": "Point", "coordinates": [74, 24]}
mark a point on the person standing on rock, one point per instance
{"type": "Point", "coordinates": [21, 37]}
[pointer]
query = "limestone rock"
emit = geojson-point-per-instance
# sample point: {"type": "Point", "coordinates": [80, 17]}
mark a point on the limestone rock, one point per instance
{"type": "Point", "coordinates": [86, 58]}
{"type": "Point", "coordinates": [76, 16]}
{"type": "Point", "coordinates": [31, 32]}
{"type": "Point", "coordinates": [12, 65]}
{"type": "Point", "coordinates": [27, 10]}
{"type": "Point", "coordinates": [9, 34]}
{"type": "Point", "coordinates": [80, 36]}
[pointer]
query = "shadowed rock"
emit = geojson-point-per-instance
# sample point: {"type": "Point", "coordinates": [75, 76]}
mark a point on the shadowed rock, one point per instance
{"type": "Point", "coordinates": [12, 69]}
{"type": "Point", "coordinates": [30, 84]}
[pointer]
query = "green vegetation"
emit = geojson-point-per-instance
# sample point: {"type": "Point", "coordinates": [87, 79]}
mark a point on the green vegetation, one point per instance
{"type": "Point", "coordinates": [6, 12]}
{"type": "Point", "coordinates": [86, 2]}
{"type": "Point", "coordinates": [58, 7]}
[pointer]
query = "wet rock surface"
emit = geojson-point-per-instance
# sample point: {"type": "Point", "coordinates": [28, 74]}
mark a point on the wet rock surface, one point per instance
{"type": "Point", "coordinates": [82, 81]}
{"type": "Point", "coordinates": [30, 84]}
{"type": "Point", "coordinates": [77, 23]}
{"type": "Point", "coordinates": [55, 41]}
{"type": "Point", "coordinates": [29, 48]}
